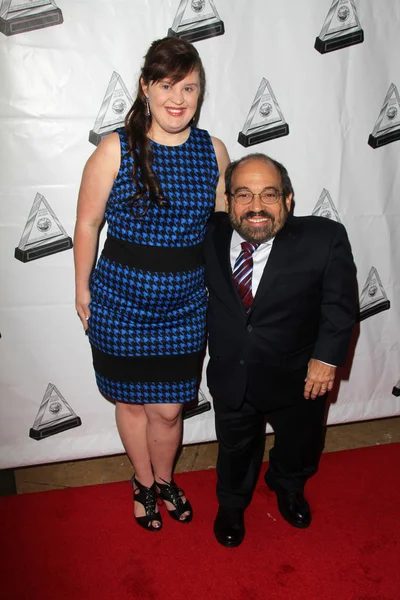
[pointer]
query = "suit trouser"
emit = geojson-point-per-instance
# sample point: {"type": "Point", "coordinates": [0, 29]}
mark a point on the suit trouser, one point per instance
{"type": "Point", "coordinates": [294, 458]}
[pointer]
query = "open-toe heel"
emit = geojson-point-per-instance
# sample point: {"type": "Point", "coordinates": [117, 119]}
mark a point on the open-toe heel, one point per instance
{"type": "Point", "coordinates": [148, 498]}
{"type": "Point", "coordinates": [173, 494]}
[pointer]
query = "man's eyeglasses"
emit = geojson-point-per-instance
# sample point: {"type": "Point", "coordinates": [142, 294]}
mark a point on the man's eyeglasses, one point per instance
{"type": "Point", "coordinates": [268, 196]}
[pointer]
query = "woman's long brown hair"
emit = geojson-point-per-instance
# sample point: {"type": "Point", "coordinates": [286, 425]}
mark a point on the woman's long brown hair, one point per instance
{"type": "Point", "coordinates": [168, 58]}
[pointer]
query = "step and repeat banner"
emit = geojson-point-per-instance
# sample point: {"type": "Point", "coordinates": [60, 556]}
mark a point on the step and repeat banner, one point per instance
{"type": "Point", "coordinates": [315, 84]}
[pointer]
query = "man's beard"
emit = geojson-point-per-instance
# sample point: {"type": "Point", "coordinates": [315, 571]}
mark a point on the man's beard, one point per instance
{"type": "Point", "coordinates": [258, 234]}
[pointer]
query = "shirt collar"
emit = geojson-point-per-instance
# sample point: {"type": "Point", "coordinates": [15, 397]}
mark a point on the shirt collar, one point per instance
{"type": "Point", "coordinates": [237, 240]}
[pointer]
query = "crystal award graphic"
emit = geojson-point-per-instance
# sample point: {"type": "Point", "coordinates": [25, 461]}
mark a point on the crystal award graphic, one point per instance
{"type": "Point", "coordinates": [387, 126]}
{"type": "Point", "coordinates": [202, 405]}
{"type": "Point", "coordinates": [196, 20]}
{"type": "Point", "coordinates": [341, 28]}
{"type": "Point", "coordinates": [116, 103]}
{"type": "Point", "coordinates": [325, 207]}
{"type": "Point", "coordinates": [19, 16]}
{"type": "Point", "coordinates": [43, 233]}
{"type": "Point", "coordinates": [396, 389]}
{"type": "Point", "coordinates": [54, 415]}
{"type": "Point", "coordinates": [265, 120]}
{"type": "Point", "coordinates": [373, 299]}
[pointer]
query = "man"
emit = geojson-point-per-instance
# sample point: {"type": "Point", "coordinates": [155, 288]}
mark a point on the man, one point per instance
{"type": "Point", "coordinates": [282, 305]}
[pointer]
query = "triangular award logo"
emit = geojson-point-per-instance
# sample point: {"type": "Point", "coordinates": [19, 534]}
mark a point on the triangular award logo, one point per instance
{"type": "Point", "coordinates": [43, 233]}
{"type": "Point", "coordinates": [396, 389]}
{"type": "Point", "coordinates": [341, 28]}
{"type": "Point", "coordinates": [54, 415]}
{"type": "Point", "coordinates": [202, 405]}
{"type": "Point", "coordinates": [18, 16]}
{"type": "Point", "coordinates": [373, 297]}
{"type": "Point", "coordinates": [196, 20]}
{"type": "Point", "coordinates": [326, 208]}
{"type": "Point", "coordinates": [113, 110]}
{"type": "Point", "coordinates": [265, 120]}
{"type": "Point", "coordinates": [387, 126]}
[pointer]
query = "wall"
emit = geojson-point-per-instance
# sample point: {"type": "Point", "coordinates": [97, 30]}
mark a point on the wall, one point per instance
{"type": "Point", "coordinates": [331, 114]}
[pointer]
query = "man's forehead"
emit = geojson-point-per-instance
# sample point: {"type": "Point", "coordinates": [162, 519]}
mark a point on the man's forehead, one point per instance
{"type": "Point", "coordinates": [256, 169]}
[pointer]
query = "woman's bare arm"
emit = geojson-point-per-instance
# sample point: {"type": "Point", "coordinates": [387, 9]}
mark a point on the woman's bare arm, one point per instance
{"type": "Point", "coordinates": [97, 180]}
{"type": "Point", "coordinates": [223, 161]}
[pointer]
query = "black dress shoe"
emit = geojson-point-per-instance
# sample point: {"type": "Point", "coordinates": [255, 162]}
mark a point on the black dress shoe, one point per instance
{"type": "Point", "coordinates": [229, 526]}
{"type": "Point", "coordinates": [292, 505]}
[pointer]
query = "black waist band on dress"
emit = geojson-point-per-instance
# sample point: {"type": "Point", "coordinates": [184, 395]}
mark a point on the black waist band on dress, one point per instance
{"type": "Point", "coordinates": [153, 258]}
{"type": "Point", "coordinates": [175, 367]}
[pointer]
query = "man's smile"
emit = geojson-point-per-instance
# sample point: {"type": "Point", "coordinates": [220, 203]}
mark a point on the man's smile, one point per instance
{"type": "Point", "coordinates": [260, 218]}
{"type": "Point", "coordinates": [257, 219]}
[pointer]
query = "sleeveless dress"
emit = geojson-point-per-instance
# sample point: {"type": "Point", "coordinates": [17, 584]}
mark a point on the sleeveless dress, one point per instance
{"type": "Point", "coordinates": [147, 323]}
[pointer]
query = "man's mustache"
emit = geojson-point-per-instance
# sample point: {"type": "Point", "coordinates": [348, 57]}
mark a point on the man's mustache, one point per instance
{"type": "Point", "coordinates": [261, 213]}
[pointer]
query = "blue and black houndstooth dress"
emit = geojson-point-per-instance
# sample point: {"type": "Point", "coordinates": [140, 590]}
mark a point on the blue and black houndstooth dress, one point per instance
{"type": "Point", "coordinates": [148, 298]}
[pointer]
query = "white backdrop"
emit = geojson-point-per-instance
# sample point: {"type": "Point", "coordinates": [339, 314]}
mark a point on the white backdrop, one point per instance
{"type": "Point", "coordinates": [53, 81]}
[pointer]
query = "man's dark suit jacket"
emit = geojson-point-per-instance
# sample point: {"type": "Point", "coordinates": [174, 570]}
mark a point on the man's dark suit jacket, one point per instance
{"type": "Point", "coordinates": [305, 307]}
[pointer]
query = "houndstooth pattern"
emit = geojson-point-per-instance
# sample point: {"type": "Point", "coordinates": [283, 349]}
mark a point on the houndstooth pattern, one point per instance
{"type": "Point", "coordinates": [114, 333]}
{"type": "Point", "coordinates": [172, 392]}
{"type": "Point", "coordinates": [151, 295]}
{"type": "Point", "coordinates": [142, 313]}
{"type": "Point", "coordinates": [188, 174]}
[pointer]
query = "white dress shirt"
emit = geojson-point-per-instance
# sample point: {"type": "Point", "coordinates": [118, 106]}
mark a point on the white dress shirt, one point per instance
{"type": "Point", "coordinates": [260, 257]}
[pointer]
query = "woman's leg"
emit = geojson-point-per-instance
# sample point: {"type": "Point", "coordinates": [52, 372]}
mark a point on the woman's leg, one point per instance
{"type": "Point", "coordinates": [132, 424]}
{"type": "Point", "coordinates": [164, 434]}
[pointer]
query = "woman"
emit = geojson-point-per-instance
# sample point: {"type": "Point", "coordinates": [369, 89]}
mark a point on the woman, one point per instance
{"type": "Point", "coordinates": [155, 182]}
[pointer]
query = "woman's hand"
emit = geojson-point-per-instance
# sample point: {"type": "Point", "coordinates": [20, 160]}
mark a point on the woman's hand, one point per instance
{"type": "Point", "coordinates": [82, 302]}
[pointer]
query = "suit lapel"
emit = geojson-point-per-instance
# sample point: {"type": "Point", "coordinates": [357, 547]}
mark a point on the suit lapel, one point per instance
{"type": "Point", "coordinates": [222, 242]}
{"type": "Point", "coordinates": [282, 250]}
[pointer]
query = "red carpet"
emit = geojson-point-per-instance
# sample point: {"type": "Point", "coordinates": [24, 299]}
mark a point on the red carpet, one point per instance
{"type": "Point", "coordinates": [82, 543]}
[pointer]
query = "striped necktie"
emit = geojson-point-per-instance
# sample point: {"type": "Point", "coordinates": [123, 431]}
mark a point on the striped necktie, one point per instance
{"type": "Point", "coordinates": [243, 272]}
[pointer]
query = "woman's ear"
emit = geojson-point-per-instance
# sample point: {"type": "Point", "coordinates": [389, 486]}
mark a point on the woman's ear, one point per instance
{"type": "Point", "coordinates": [145, 88]}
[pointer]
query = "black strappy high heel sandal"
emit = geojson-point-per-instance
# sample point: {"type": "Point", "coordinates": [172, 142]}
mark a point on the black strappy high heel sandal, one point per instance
{"type": "Point", "coordinates": [148, 498]}
{"type": "Point", "coordinates": [172, 493]}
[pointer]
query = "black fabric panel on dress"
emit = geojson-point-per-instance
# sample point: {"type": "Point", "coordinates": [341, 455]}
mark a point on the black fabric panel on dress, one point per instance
{"type": "Point", "coordinates": [176, 367]}
{"type": "Point", "coordinates": [153, 258]}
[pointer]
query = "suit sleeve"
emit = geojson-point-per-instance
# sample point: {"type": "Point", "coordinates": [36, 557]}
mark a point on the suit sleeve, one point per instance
{"type": "Point", "coordinates": [339, 302]}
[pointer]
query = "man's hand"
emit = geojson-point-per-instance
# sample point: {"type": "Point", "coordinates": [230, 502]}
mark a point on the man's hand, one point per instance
{"type": "Point", "coordinates": [319, 380]}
